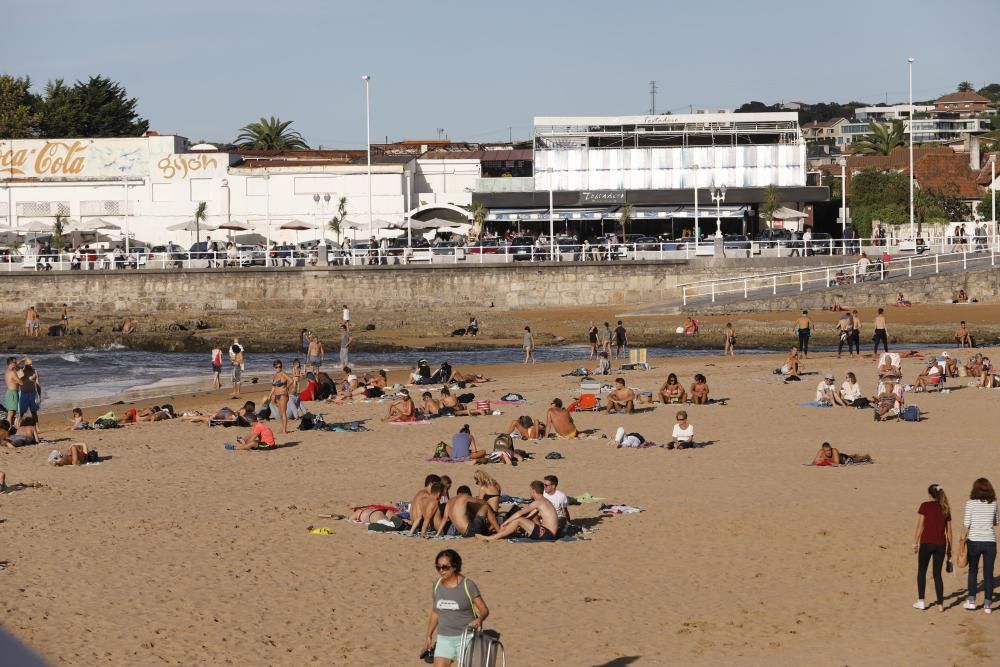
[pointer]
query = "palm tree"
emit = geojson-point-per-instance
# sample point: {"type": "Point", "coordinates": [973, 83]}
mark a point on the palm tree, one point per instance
{"type": "Point", "coordinates": [624, 218]}
{"type": "Point", "coordinates": [337, 221]}
{"type": "Point", "coordinates": [270, 134]}
{"type": "Point", "coordinates": [199, 217]}
{"type": "Point", "coordinates": [883, 138]}
{"type": "Point", "coordinates": [770, 205]}
{"type": "Point", "coordinates": [58, 231]}
{"type": "Point", "coordinates": [965, 87]}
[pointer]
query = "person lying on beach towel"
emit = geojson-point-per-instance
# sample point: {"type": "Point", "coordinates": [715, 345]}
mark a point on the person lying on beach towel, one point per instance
{"type": "Point", "coordinates": [372, 513]}
{"type": "Point", "coordinates": [225, 416]}
{"type": "Point", "coordinates": [155, 414]}
{"type": "Point", "coordinates": [78, 454]}
{"type": "Point", "coordinates": [527, 428]}
{"type": "Point", "coordinates": [828, 455]}
{"type": "Point", "coordinates": [468, 378]}
{"type": "Point", "coordinates": [538, 520]}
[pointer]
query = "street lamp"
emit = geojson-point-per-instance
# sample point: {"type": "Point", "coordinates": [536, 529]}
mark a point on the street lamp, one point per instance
{"type": "Point", "coordinates": [993, 190]}
{"type": "Point", "coordinates": [910, 68]}
{"type": "Point", "coordinates": [696, 171]}
{"type": "Point", "coordinates": [843, 196]}
{"type": "Point", "coordinates": [368, 125]}
{"type": "Point", "coordinates": [718, 196]}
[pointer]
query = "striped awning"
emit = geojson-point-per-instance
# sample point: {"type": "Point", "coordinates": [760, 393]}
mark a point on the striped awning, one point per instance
{"type": "Point", "coordinates": [710, 212]}
{"type": "Point", "coordinates": [501, 215]}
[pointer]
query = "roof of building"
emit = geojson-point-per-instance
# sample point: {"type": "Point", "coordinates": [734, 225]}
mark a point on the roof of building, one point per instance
{"type": "Point", "coordinates": [985, 176]}
{"type": "Point", "coordinates": [825, 123]}
{"type": "Point", "coordinates": [521, 154]}
{"type": "Point", "coordinates": [967, 96]}
{"type": "Point", "coordinates": [936, 168]}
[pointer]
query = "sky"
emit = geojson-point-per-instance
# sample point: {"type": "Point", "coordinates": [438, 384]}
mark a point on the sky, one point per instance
{"type": "Point", "coordinates": [482, 70]}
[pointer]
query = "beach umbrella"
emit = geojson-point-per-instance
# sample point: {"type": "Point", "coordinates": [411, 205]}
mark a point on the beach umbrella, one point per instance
{"type": "Point", "coordinates": [234, 225]}
{"type": "Point", "coordinates": [298, 226]}
{"type": "Point", "coordinates": [95, 225]}
{"type": "Point", "coordinates": [35, 227]}
{"type": "Point", "coordinates": [190, 226]}
{"type": "Point", "coordinates": [433, 223]}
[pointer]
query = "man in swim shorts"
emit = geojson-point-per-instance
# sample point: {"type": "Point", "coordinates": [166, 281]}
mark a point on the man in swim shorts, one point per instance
{"type": "Point", "coordinates": [315, 353]}
{"type": "Point", "coordinates": [622, 399]}
{"type": "Point", "coordinates": [12, 383]}
{"type": "Point", "coordinates": [559, 421]}
{"type": "Point", "coordinates": [538, 520]}
{"type": "Point", "coordinates": [470, 516]}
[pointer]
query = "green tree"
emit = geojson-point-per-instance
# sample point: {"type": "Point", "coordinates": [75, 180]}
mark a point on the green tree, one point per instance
{"type": "Point", "coordinates": [200, 215]}
{"type": "Point", "coordinates": [770, 205]}
{"type": "Point", "coordinates": [992, 91]}
{"type": "Point", "coordinates": [985, 205]}
{"type": "Point", "coordinates": [59, 240]}
{"type": "Point", "coordinates": [18, 118]}
{"type": "Point", "coordinates": [624, 219]}
{"type": "Point", "coordinates": [883, 138]}
{"type": "Point", "coordinates": [336, 222]}
{"type": "Point", "coordinates": [965, 86]}
{"type": "Point", "coordinates": [98, 107]}
{"type": "Point", "coordinates": [882, 195]}
{"type": "Point", "coordinates": [270, 134]}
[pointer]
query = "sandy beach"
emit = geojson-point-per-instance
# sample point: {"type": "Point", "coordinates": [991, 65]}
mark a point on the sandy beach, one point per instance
{"type": "Point", "coordinates": [176, 551]}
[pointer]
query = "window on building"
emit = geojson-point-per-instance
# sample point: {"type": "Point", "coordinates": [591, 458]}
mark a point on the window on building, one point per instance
{"type": "Point", "coordinates": [162, 191]}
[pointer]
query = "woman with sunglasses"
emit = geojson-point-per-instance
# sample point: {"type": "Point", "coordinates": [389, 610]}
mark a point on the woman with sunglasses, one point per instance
{"type": "Point", "coordinates": [280, 384]}
{"type": "Point", "coordinates": [457, 605]}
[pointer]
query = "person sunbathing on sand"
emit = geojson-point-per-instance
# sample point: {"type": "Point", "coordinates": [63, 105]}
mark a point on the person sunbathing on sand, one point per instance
{"type": "Point", "coordinates": [963, 336]}
{"type": "Point", "coordinates": [449, 404]}
{"type": "Point", "coordinates": [889, 402]}
{"type": "Point", "coordinates": [76, 455]}
{"type": "Point", "coordinates": [621, 399]}
{"type": "Point", "coordinates": [975, 366]}
{"type": "Point", "coordinates": [457, 376]}
{"type": "Point", "coordinates": [538, 521]}
{"type": "Point", "coordinates": [829, 455]}
{"type": "Point", "coordinates": [470, 516]}
{"type": "Point", "coordinates": [261, 436]}
{"type": "Point", "coordinates": [225, 416]}
{"type": "Point", "coordinates": [558, 421]}
{"type": "Point", "coordinates": [930, 376]}
{"type": "Point", "coordinates": [401, 410]}
{"type": "Point", "coordinates": [699, 390]}
{"type": "Point", "coordinates": [489, 489]}
{"type": "Point", "coordinates": [431, 407]}
{"type": "Point", "coordinates": [154, 414]}
{"type": "Point", "coordinates": [527, 427]}
{"type": "Point", "coordinates": [682, 437]}
{"type": "Point", "coordinates": [425, 510]}
{"type": "Point", "coordinates": [672, 391]}
{"type": "Point", "coordinates": [463, 445]}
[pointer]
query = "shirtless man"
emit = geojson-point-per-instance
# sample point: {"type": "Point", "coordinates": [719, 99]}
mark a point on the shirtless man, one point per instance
{"type": "Point", "coordinates": [930, 376]}
{"type": "Point", "coordinates": [538, 520]}
{"type": "Point", "coordinates": [402, 410]}
{"type": "Point", "coordinates": [470, 516]}
{"type": "Point", "coordinates": [881, 333]}
{"type": "Point", "coordinates": [468, 378]}
{"type": "Point", "coordinates": [621, 399]}
{"type": "Point", "coordinates": [425, 510]}
{"type": "Point", "coordinates": [13, 383]}
{"type": "Point", "coordinates": [315, 353]}
{"type": "Point", "coordinates": [558, 421]}
{"type": "Point", "coordinates": [963, 336]}
{"type": "Point", "coordinates": [432, 408]}
{"type": "Point", "coordinates": [527, 427]}
{"type": "Point", "coordinates": [154, 414]}
{"type": "Point", "coordinates": [449, 404]}
{"type": "Point", "coordinates": [32, 324]}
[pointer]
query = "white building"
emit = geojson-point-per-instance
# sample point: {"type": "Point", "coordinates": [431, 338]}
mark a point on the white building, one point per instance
{"type": "Point", "coordinates": [890, 113]}
{"type": "Point", "coordinates": [146, 184]}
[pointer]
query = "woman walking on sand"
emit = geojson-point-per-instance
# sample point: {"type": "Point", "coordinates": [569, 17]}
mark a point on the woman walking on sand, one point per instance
{"type": "Point", "coordinates": [730, 335]}
{"type": "Point", "coordinates": [592, 337]}
{"type": "Point", "coordinates": [804, 327]}
{"type": "Point", "coordinates": [458, 605]}
{"type": "Point", "coordinates": [932, 542]}
{"type": "Point", "coordinates": [529, 346]}
{"type": "Point", "coordinates": [980, 534]}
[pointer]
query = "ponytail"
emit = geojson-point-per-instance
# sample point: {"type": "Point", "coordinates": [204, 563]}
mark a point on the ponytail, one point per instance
{"type": "Point", "coordinates": [937, 493]}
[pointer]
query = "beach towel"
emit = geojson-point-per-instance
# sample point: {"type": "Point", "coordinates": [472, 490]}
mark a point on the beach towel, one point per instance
{"type": "Point", "coordinates": [341, 427]}
{"type": "Point", "coordinates": [564, 538]}
{"type": "Point", "coordinates": [445, 459]}
{"type": "Point", "coordinates": [418, 421]}
{"type": "Point", "coordinates": [619, 509]}
{"type": "Point", "coordinates": [586, 499]}
{"type": "Point", "coordinates": [814, 404]}
{"type": "Point", "coordinates": [517, 500]}
{"type": "Point", "coordinates": [842, 465]}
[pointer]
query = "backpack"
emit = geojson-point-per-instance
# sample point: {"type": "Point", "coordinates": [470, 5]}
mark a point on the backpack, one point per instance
{"type": "Point", "coordinates": [92, 456]}
{"type": "Point", "coordinates": [466, 398]}
{"type": "Point", "coordinates": [480, 648]}
{"type": "Point", "coordinates": [307, 422]}
{"type": "Point", "coordinates": [440, 451]}
{"type": "Point", "coordinates": [911, 413]}
{"type": "Point", "coordinates": [104, 422]}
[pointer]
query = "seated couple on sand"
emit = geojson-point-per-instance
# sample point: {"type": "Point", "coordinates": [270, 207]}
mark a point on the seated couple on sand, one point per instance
{"type": "Point", "coordinates": [829, 455]}
{"type": "Point", "coordinates": [682, 436]}
{"type": "Point", "coordinates": [448, 406]}
{"type": "Point", "coordinates": [431, 510]}
{"type": "Point", "coordinates": [538, 521]}
{"type": "Point", "coordinates": [672, 392]}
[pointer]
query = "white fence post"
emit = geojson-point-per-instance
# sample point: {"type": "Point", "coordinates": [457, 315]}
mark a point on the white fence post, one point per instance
{"type": "Point", "coordinates": [965, 260]}
{"type": "Point", "coordinates": [684, 295]}
{"type": "Point", "coordinates": [909, 269]}
{"type": "Point", "coordinates": [774, 287]}
{"type": "Point", "coordinates": [744, 288]}
{"type": "Point", "coordinates": [801, 286]}
{"type": "Point", "coordinates": [713, 292]}
{"type": "Point", "coordinates": [936, 258]}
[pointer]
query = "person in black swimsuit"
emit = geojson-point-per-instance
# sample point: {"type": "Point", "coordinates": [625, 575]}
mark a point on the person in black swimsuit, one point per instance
{"type": "Point", "coordinates": [279, 393]}
{"type": "Point", "coordinates": [592, 337]}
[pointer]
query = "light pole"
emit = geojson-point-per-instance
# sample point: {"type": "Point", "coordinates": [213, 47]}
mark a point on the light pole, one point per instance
{"type": "Point", "coordinates": [125, 225]}
{"type": "Point", "coordinates": [368, 125]}
{"type": "Point", "coordinates": [552, 220]}
{"type": "Point", "coordinates": [993, 191]}
{"type": "Point", "coordinates": [718, 196]}
{"type": "Point", "coordinates": [696, 168]}
{"type": "Point", "coordinates": [910, 68]}
{"type": "Point", "coordinates": [843, 196]}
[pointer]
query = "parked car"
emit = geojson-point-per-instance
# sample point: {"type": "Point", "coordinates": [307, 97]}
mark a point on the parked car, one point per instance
{"type": "Point", "coordinates": [521, 248]}
{"type": "Point", "coordinates": [647, 243]}
{"type": "Point", "coordinates": [484, 246]}
{"type": "Point", "coordinates": [449, 248]}
{"type": "Point", "coordinates": [770, 238]}
{"type": "Point", "coordinates": [736, 242]}
{"type": "Point", "coordinates": [820, 244]}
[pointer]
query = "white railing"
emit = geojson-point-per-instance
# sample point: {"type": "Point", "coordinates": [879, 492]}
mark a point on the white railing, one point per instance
{"type": "Point", "coordinates": [486, 252]}
{"type": "Point", "coordinates": [761, 285]}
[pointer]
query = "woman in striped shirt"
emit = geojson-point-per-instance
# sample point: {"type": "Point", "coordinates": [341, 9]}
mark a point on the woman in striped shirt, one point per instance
{"type": "Point", "coordinates": [980, 531]}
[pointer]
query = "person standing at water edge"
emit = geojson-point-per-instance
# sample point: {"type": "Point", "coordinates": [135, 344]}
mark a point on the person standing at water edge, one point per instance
{"type": "Point", "coordinates": [621, 341]}
{"type": "Point", "coordinates": [458, 604]}
{"type": "Point", "coordinates": [592, 337]}
{"type": "Point", "coordinates": [345, 342]}
{"type": "Point", "coordinates": [730, 336]}
{"type": "Point", "coordinates": [529, 346]}
{"type": "Point", "coordinates": [804, 326]}
{"type": "Point", "coordinates": [216, 368]}
{"type": "Point", "coordinates": [980, 532]}
{"type": "Point", "coordinates": [881, 334]}
{"type": "Point", "coordinates": [13, 384]}
{"type": "Point", "coordinates": [932, 540]}
{"type": "Point", "coordinates": [606, 340]}
{"type": "Point", "coordinates": [236, 358]}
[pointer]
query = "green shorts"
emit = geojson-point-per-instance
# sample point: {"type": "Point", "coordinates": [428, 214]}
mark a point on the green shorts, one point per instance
{"type": "Point", "coordinates": [447, 647]}
{"type": "Point", "coordinates": [10, 400]}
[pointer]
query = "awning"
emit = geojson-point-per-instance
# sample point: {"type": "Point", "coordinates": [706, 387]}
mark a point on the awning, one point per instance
{"type": "Point", "coordinates": [660, 212]}
{"type": "Point", "coordinates": [785, 213]}
{"type": "Point", "coordinates": [543, 214]}
{"type": "Point", "coordinates": [705, 212]}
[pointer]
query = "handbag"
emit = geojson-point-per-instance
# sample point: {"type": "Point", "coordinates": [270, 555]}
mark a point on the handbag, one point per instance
{"type": "Point", "coordinates": [962, 555]}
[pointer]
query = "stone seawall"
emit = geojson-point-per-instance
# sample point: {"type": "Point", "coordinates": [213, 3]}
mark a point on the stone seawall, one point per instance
{"type": "Point", "coordinates": [440, 288]}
